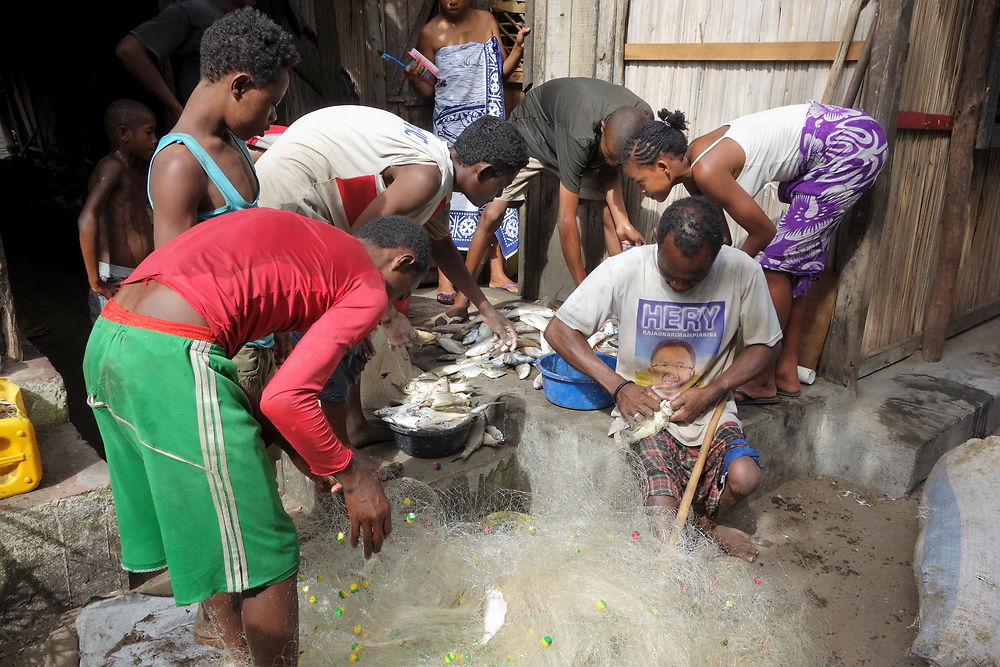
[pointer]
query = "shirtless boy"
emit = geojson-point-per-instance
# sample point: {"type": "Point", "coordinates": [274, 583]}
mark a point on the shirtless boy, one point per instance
{"type": "Point", "coordinates": [115, 232]}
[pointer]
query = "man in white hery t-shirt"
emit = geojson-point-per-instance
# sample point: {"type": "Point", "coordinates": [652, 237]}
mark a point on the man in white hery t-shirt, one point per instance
{"type": "Point", "coordinates": [680, 304]}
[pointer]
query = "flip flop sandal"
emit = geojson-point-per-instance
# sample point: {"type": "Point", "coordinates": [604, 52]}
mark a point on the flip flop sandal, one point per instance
{"type": "Point", "coordinates": [446, 298]}
{"type": "Point", "coordinates": [789, 394]}
{"type": "Point", "coordinates": [754, 400]}
{"type": "Point", "coordinates": [512, 288]}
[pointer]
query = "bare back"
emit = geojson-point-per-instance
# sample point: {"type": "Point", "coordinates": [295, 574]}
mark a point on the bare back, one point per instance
{"type": "Point", "coordinates": [126, 231]}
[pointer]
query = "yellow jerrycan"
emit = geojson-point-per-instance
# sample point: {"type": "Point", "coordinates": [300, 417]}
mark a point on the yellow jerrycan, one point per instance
{"type": "Point", "coordinates": [20, 464]}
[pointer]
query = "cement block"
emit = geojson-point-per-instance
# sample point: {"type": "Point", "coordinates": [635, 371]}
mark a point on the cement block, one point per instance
{"type": "Point", "coordinates": [42, 387]}
{"type": "Point", "coordinates": [59, 543]}
{"type": "Point", "coordinates": [900, 424]}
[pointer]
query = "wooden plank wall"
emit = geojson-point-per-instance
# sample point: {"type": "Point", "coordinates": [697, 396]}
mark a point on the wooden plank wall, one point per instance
{"type": "Point", "coordinates": [710, 93]}
{"type": "Point", "coordinates": [910, 239]}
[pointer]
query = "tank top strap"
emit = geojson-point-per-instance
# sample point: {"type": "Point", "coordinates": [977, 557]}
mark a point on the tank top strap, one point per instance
{"type": "Point", "coordinates": [234, 200]}
{"type": "Point", "coordinates": [710, 147]}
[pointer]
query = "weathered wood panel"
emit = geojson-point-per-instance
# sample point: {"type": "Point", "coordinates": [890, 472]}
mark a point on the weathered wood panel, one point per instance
{"type": "Point", "coordinates": [904, 262]}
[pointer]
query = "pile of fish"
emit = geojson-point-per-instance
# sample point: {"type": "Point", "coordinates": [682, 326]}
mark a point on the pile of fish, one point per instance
{"type": "Point", "coordinates": [439, 404]}
{"type": "Point", "coordinates": [472, 347]}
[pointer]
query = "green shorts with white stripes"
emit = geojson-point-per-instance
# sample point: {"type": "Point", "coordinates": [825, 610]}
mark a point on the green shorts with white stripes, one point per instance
{"type": "Point", "coordinates": [192, 486]}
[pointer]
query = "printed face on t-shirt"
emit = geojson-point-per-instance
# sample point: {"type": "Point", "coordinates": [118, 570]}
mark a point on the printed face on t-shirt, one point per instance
{"type": "Point", "coordinates": [674, 341]}
{"type": "Point", "coordinates": [671, 366]}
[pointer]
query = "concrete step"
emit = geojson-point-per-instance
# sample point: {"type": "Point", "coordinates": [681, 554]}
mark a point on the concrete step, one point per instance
{"type": "Point", "coordinates": [58, 543]}
{"type": "Point", "coordinates": [41, 385]}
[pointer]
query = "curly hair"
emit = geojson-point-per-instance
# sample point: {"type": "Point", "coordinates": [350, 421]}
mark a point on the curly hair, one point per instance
{"type": "Point", "coordinates": [246, 41]}
{"type": "Point", "coordinates": [125, 113]}
{"type": "Point", "coordinates": [398, 231]}
{"type": "Point", "coordinates": [652, 139]}
{"type": "Point", "coordinates": [692, 222]}
{"type": "Point", "coordinates": [494, 141]}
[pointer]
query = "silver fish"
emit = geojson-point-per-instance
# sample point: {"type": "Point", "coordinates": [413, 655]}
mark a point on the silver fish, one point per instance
{"type": "Point", "coordinates": [514, 358]}
{"type": "Point", "coordinates": [471, 337]}
{"type": "Point", "coordinates": [537, 382]}
{"type": "Point", "coordinates": [447, 357]}
{"type": "Point", "coordinates": [456, 367]}
{"type": "Point", "coordinates": [472, 371]}
{"type": "Point", "coordinates": [597, 338]}
{"type": "Point", "coordinates": [523, 371]}
{"type": "Point", "coordinates": [460, 387]}
{"type": "Point", "coordinates": [451, 345]}
{"type": "Point", "coordinates": [649, 426]}
{"type": "Point", "coordinates": [475, 439]}
{"type": "Point", "coordinates": [522, 328]}
{"type": "Point", "coordinates": [494, 373]}
{"type": "Point", "coordinates": [525, 342]}
{"type": "Point", "coordinates": [442, 400]}
{"type": "Point", "coordinates": [459, 328]}
{"type": "Point", "coordinates": [484, 332]}
{"type": "Point", "coordinates": [530, 309]}
{"type": "Point", "coordinates": [493, 433]}
{"type": "Point", "coordinates": [535, 320]}
{"type": "Point", "coordinates": [423, 337]}
{"type": "Point", "coordinates": [481, 347]}
{"type": "Point", "coordinates": [415, 387]}
{"type": "Point", "coordinates": [533, 352]}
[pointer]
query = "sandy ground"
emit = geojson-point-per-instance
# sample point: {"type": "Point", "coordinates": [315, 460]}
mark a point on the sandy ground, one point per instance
{"type": "Point", "coordinates": [850, 553]}
{"type": "Point", "coordinates": [847, 551]}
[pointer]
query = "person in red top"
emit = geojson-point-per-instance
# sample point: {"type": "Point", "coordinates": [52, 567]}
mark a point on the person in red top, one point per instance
{"type": "Point", "coordinates": [192, 486]}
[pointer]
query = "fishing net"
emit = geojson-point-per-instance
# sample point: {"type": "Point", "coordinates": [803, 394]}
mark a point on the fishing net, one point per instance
{"type": "Point", "coordinates": [574, 562]}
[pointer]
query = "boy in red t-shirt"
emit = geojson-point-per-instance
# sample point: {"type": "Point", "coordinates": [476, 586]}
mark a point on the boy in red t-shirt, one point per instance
{"type": "Point", "coordinates": [180, 317]}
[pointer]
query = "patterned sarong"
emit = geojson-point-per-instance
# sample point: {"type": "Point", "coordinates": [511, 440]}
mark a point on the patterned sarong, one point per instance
{"type": "Point", "coordinates": [843, 150]}
{"type": "Point", "coordinates": [470, 85]}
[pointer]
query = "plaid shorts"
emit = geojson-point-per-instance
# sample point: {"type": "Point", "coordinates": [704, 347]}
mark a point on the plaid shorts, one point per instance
{"type": "Point", "coordinates": [668, 464]}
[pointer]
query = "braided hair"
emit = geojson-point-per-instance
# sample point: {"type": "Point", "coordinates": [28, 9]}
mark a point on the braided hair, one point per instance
{"type": "Point", "coordinates": [655, 137]}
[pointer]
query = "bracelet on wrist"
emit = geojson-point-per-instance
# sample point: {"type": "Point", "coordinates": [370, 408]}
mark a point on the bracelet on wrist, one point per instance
{"type": "Point", "coordinates": [620, 387]}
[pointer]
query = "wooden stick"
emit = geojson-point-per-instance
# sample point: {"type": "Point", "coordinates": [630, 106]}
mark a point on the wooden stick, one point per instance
{"type": "Point", "coordinates": [699, 466]}
{"type": "Point", "coordinates": [838, 61]}
{"type": "Point", "coordinates": [955, 213]}
{"type": "Point", "coordinates": [854, 87]}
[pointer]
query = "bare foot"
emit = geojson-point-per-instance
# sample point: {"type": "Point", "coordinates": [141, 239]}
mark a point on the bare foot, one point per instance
{"type": "Point", "coordinates": [458, 311]}
{"type": "Point", "coordinates": [788, 384]}
{"type": "Point", "coordinates": [734, 542]}
{"type": "Point", "coordinates": [369, 433]}
{"type": "Point", "coordinates": [505, 283]}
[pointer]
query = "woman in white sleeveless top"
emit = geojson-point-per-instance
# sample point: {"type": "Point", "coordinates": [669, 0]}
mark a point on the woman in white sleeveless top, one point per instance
{"type": "Point", "coordinates": [823, 157]}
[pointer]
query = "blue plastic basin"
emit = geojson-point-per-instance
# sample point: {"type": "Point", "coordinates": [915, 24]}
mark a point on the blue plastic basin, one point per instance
{"type": "Point", "coordinates": [569, 388]}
